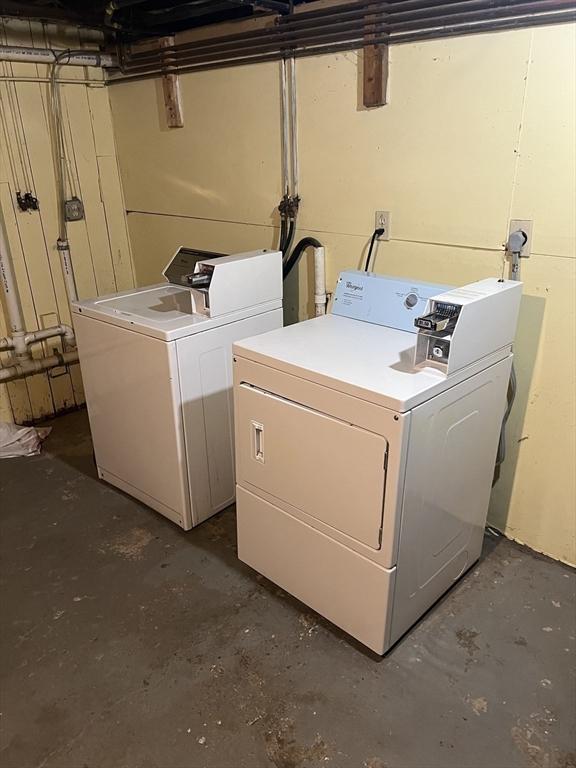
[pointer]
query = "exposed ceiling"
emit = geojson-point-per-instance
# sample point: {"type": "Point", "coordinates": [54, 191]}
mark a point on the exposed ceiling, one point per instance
{"type": "Point", "coordinates": [265, 30]}
{"type": "Point", "coordinates": [134, 19]}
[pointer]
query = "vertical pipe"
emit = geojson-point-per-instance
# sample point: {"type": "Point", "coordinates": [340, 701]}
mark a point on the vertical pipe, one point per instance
{"type": "Point", "coordinates": [9, 286]}
{"type": "Point", "coordinates": [294, 127]}
{"type": "Point", "coordinates": [67, 270]}
{"type": "Point", "coordinates": [514, 265]}
{"type": "Point", "coordinates": [285, 129]}
{"type": "Point", "coordinates": [319, 282]}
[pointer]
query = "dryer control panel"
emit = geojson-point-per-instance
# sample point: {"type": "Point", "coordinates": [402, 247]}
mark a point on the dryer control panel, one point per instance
{"type": "Point", "coordinates": [390, 301]}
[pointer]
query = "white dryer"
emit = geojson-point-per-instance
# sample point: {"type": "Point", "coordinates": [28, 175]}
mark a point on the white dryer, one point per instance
{"type": "Point", "coordinates": [157, 373]}
{"type": "Point", "coordinates": [365, 446]}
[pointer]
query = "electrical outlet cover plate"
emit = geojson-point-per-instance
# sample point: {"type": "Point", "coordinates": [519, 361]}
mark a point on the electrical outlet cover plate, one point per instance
{"type": "Point", "coordinates": [382, 221]}
{"type": "Point", "coordinates": [74, 209]}
{"type": "Point", "coordinates": [526, 226]}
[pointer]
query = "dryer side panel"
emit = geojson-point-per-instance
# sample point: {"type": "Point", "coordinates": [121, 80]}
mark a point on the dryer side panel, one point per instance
{"type": "Point", "coordinates": [450, 464]}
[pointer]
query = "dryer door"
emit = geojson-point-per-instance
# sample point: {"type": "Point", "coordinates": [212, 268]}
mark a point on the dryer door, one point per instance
{"type": "Point", "coordinates": [329, 470]}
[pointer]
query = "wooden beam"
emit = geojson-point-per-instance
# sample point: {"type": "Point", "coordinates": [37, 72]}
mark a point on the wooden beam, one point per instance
{"type": "Point", "coordinates": [172, 94]}
{"type": "Point", "coordinates": [375, 81]}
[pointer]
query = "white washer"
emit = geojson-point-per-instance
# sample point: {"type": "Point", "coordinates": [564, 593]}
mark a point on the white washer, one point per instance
{"type": "Point", "coordinates": [157, 373]}
{"type": "Point", "coordinates": [363, 481]}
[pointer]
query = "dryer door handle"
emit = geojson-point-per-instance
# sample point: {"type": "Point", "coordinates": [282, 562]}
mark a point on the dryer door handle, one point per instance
{"type": "Point", "coordinates": [258, 441]}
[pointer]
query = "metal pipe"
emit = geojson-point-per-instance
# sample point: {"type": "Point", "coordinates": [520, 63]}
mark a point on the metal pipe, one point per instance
{"type": "Point", "coordinates": [269, 5]}
{"type": "Point", "coordinates": [404, 21]}
{"type": "Point", "coordinates": [354, 32]}
{"type": "Point", "coordinates": [9, 286]}
{"type": "Point", "coordinates": [290, 25]}
{"type": "Point", "coordinates": [116, 5]}
{"type": "Point", "coordinates": [31, 366]}
{"type": "Point", "coordinates": [388, 17]}
{"type": "Point", "coordinates": [50, 56]}
{"type": "Point", "coordinates": [283, 44]}
{"type": "Point", "coordinates": [393, 38]}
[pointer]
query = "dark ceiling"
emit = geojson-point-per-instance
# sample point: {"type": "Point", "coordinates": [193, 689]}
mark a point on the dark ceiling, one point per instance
{"type": "Point", "coordinates": [317, 27]}
{"type": "Point", "coordinates": [142, 18]}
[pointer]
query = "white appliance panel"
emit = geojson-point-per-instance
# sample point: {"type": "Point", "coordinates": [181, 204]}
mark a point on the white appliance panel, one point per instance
{"type": "Point", "coordinates": [132, 393]}
{"type": "Point", "coordinates": [450, 463]}
{"type": "Point", "coordinates": [342, 585]}
{"type": "Point", "coordinates": [159, 304]}
{"type": "Point", "coordinates": [205, 371]}
{"type": "Point", "coordinates": [359, 358]}
{"type": "Point", "coordinates": [305, 458]}
{"type": "Point", "coordinates": [382, 300]}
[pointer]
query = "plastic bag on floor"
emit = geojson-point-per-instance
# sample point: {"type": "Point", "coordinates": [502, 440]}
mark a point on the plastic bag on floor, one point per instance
{"type": "Point", "coordinates": [21, 441]}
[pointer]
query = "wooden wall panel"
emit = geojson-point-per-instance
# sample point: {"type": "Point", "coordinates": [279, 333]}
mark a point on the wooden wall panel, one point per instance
{"type": "Point", "coordinates": [99, 244]}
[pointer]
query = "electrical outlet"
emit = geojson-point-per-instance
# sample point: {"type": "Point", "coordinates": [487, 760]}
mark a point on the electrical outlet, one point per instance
{"type": "Point", "coordinates": [382, 221]}
{"type": "Point", "coordinates": [526, 226]}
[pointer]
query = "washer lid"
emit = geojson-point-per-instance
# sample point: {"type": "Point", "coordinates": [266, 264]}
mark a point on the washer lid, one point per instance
{"type": "Point", "coordinates": [368, 361]}
{"type": "Point", "coordinates": [159, 304]}
{"type": "Point", "coordinates": [163, 311]}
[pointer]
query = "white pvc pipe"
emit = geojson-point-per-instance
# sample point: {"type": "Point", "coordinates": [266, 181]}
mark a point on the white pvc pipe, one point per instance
{"type": "Point", "coordinates": [286, 143]}
{"type": "Point", "coordinates": [50, 56]}
{"type": "Point", "coordinates": [65, 331]}
{"type": "Point", "coordinates": [319, 282]}
{"type": "Point", "coordinates": [15, 316]}
{"type": "Point", "coordinates": [293, 127]}
{"type": "Point", "coordinates": [24, 340]}
{"type": "Point", "coordinates": [67, 269]}
{"type": "Point", "coordinates": [29, 367]}
{"type": "Point", "coordinates": [19, 341]}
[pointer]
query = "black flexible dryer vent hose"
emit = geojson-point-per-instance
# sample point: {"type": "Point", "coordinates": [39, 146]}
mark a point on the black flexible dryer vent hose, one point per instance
{"type": "Point", "coordinates": [299, 248]}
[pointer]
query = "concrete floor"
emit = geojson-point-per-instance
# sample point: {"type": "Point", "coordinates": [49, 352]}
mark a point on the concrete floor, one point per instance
{"type": "Point", "coordinates": [127, 643]}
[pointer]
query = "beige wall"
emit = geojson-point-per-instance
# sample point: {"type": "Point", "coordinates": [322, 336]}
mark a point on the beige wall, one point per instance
{"type": "Point", "coordinates": [99, 244]}
{"type": "Point", "coordinates": [478, 130]}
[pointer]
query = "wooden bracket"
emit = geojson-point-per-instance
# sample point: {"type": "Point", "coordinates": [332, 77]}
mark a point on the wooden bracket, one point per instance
{"type": "Point", "coordinates": [375, 84]}
{"type": "Point", "coordinates": [172, 94]}
{"type": "Point", "coordinates": [375, 72]}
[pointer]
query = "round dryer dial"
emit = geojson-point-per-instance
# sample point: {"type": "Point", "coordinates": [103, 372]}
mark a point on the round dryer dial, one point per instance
{"type": "Point", "coordinates": [410, 301]}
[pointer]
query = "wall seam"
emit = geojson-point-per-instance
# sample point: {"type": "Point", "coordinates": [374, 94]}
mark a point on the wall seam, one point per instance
{"type": "Point", "coordinates": [362, 236]}
{"type": "Point", "coordinates": [521, 126]}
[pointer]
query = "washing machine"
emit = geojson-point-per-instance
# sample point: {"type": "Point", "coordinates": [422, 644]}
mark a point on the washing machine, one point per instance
{"type": "Point", "coordinates": [365, 446]}
{"type": "Point", "coordinates": [157, 374]}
